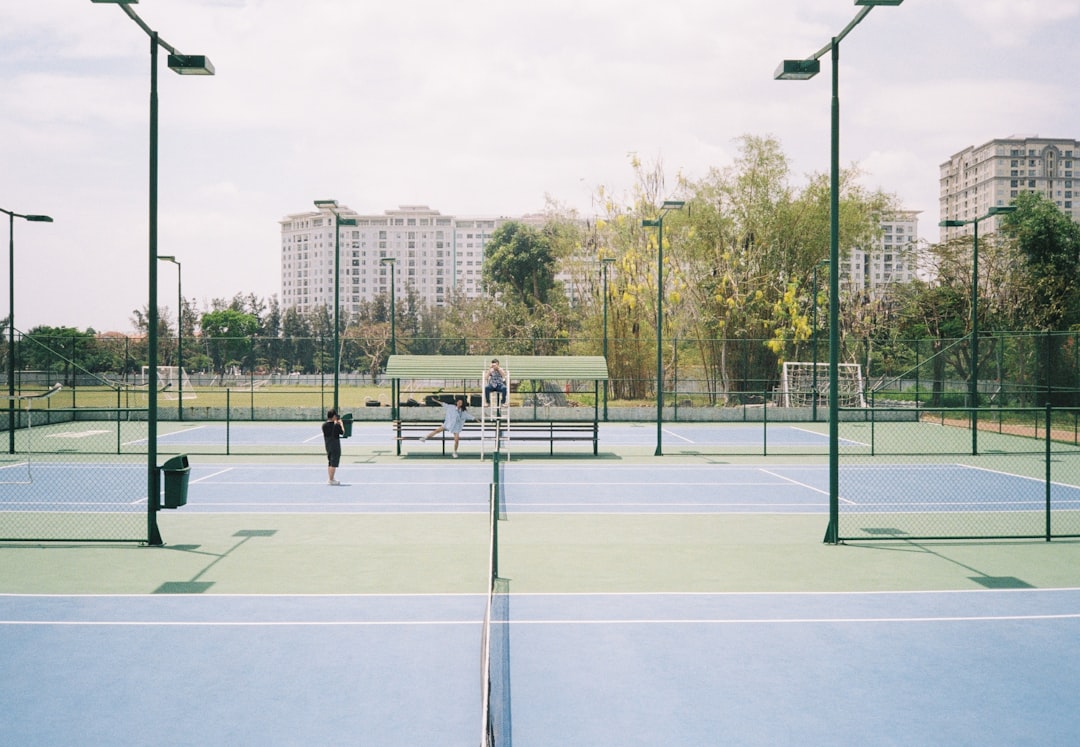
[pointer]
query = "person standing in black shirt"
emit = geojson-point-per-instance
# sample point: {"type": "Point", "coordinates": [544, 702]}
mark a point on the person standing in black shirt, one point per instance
{"type": "Point", "coordinates": [332, 431]}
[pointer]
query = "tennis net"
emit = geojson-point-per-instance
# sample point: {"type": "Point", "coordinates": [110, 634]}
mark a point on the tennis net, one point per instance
{"type": "Point", "coordinates": [495, 639]}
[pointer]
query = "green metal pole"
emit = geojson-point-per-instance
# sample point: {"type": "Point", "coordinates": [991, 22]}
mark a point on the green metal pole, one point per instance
{"type": "Point", "coordinates": [974, 383]}
{"type": "Point", "coordinates": [152, 478]}
{"type": "Point", "coordinates": [11, 333]}
{"type": "Point", "coordinates": [1049, 415]}
{"type": "Point", "coordinates": [180, 339]}
{"type": "Point", "coordinates": [814, 373]}
{"type": "Point", "coordinates": [393, 340]}
{"type": "Point", "coordinates": [603, 271]}
{"type": "Point", "coordinates": [833, 532]}
{"type": "Point", "coordinates": [337, 307]}
{"type": "Point", "coordinates": [660, 337]}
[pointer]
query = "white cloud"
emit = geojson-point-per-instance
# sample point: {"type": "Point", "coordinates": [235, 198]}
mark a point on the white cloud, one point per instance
{"type": "Point", "coordinates": [476, 107]}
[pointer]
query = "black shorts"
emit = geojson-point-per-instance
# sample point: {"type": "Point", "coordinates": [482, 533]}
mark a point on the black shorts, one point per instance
{"type": "Point", "coordinates": [333, 452]}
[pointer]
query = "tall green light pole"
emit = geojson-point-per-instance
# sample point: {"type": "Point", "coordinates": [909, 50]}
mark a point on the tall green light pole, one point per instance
{"type": "Point", "coordinates": [814, 385]}
{"type": "Point", "coordinates": [658, 224]}
{"type": "Point", "coordinates": [183, 65]}
{"type": "Point", "coordinates": [390, 262]}
{"type": "Point", "coordinates": [11, 316]}
{"type": "Point", "coordinates": [179, 330]}
{"type": "Point", "coordinates": [804, 70]}
{"type": "Point", "coordinates": [973, 378]}
{"type": "Point", "coordinates": [605, 263]}
{"type": "Point", "coordinates": [332, 206]}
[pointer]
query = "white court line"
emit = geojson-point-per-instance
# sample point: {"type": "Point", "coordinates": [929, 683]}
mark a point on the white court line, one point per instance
{"type": "Point", "coordinates": [808, 620]}
{"type": "Point", "coordinates": [636, 484]}
{"type": "Point", "coordinates": [239, 624]}
{"type": "Point", "coordinates": [813, 433]}
{"type": "Point", "coordinates": [808, 487]}
{"type": "Point", "coordinates": [214, 474]}
{"type": "Point", "coordinates": [676, 435]}
{"type": "Point", "coordinates": [77, 434]}
{"type": "Point", "coordinates": [183, 431]}
{"type": "Point", "coordinates": [613, 621]}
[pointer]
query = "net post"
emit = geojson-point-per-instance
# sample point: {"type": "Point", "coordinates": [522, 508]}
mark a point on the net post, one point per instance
{"type": "Point", "coordinates": [495, 516]}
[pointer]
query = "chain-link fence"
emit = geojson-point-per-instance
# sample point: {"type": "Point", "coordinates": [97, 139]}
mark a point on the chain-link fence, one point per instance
{"type": "Point", "coordinates": [74, 475]}
{"type": "Point", "coordinates": [960, 473]}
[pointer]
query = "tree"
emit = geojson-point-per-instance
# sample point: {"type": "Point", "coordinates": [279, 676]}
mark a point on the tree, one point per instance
{"type": "Point", "coordinates": [519, 259]}
{"type": "Point", "coordinates": [227, 334]}
{"type": "Point", "coordinates": [66, 351]}
{"type": "Point", "coordinates": [1049, 300]}
{"type": "Point", "coordinates": [1049, 241]}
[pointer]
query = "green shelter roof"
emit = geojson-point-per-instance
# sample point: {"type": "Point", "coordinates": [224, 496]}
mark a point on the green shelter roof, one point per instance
{"type": "Point", "coordinates": [519, 367]}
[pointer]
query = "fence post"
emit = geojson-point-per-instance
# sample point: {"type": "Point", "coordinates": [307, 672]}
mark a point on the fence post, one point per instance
{"type": "Point", "coordinates": [1048, 416]}
{"type": "Point", "coordinates": [765, 423]}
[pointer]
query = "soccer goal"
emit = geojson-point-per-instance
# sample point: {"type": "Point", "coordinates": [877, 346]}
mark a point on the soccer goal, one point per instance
{"type": "Point", "coordinates": [797, 385]}
{"type": "Point", "coordinates": [171, 380]}
{"type": "Point", "coordinates": [15, 466]}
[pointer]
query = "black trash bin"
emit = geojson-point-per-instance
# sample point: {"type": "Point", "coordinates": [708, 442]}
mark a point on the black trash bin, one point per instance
{"type": "Point", "coordinates": [177, 472]}
{"type": "Point", "coordinates": [346, 425]}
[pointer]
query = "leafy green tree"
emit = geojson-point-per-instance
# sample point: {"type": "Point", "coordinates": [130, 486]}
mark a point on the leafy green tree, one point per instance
{"type": "Point", "coordinates": [227, 334]}
{"type": "Point", "coordinates": [519, 260]}
{"type": "Point", "coordinates": [1049, 241]}
{"type": "Point", "coordinates": [1049, 298]}
{"type": "Point", "coordinates": [67, 351]}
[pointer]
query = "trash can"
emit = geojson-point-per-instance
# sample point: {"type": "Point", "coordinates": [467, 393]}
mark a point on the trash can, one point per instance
{"type": "Point", "coordinates": [346, 424]}
{"type": "Point", "coordinates": [177, 471]}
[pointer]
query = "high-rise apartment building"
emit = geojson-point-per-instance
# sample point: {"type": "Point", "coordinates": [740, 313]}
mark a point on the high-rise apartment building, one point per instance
{"type": "Point", "coordinates": [893, 257]}
{"type": "Point", "coordinates": [434, 254]}
{"type": "Point", "coordinates": [996, 172]}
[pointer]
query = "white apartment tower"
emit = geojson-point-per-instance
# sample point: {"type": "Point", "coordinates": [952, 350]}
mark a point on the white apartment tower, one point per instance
{"type": "Point", "coordinates": [434, 254]}
{"type": "Point", "coordinates": [996, 172]}
{"type": "Point", "coordinates": [892, 258]}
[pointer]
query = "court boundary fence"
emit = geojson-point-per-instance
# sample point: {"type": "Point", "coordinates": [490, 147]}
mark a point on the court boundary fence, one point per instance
{"type": "Point", "coordinates": [1007, 473]}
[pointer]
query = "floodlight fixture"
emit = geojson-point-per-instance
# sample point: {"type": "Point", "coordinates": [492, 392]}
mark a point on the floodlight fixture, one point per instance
{"type": "Point", "coordinates": [797, 70]}
{"type": "Point", "coordinates": [190, 64]}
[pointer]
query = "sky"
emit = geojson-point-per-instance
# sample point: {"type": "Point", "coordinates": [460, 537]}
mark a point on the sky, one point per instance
{"type": "Point", "coordinates": [475, 108]}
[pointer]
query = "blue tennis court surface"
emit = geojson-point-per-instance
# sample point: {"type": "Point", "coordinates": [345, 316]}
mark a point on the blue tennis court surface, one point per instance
{"type": "Point", "coordinates": [621, 669]}
{"type": "Point", "coordinates": [461, 487]}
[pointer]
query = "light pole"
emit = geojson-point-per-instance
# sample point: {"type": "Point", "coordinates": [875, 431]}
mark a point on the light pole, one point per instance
{"type": "Point", "coordinates": [390, 261]}
{"type": "Point", "coordinates": [973, 379]}
{"type": "Point", "coordinates": [179, 331]}
{"type": "Point", "coordinates": [605, 263]}
{"type": "Point", "coordinates": [183, 65]}
{"type": "Point", "coordinates": [11, 315]}
{"type": "Point", "coordinates": [814, 385]}
{"type": "Point", "coordinates": [658, 224]}
{"type": "Point", "coordinates": [332, 206]}
{"type": "Point", "coordinates": [804, 70]}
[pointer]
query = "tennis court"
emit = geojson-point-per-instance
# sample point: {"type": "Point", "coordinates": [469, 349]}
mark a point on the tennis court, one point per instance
{"type": "Point", "coordinates": [647, 601]}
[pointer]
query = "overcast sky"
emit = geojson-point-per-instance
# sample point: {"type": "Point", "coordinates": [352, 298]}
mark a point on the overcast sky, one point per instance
{"type": "Point", "coordinates": [473, 107]}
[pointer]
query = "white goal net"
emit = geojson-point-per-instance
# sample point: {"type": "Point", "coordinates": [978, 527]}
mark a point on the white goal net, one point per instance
{"type": "Point", "coordinates": [171, 380]}
{"type": "Point", "coordinates": [799, 380]}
